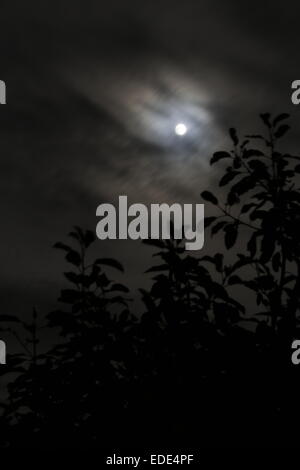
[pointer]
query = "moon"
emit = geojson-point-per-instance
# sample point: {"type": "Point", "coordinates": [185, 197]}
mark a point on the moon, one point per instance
{"type": "Point", "coordinates": [180, 129]}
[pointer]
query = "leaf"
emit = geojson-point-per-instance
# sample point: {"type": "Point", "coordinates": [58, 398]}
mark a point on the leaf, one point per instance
{"type": "Point", "coordinates": [232, 198]}
{"type": "Point", "coordinates": [69, 296]}
{"type": "Point", "coordinates": [280, 117]}
{"type": "Point", "coordinates": [276, 262]}
{"type": "Point", "coordinates": [208, 196]}
{"type": "Point", "coordinates": [119, 287]}
{"type": "Point", "coordinates": [219, 291]}
{"type": "Point", "coordinates": [73, 257]}
{"type": "Point", "coordinates": [89, 238]}
{"type": "Point", "coordinates": [231, 232]}
{"type": "Point", "coordinates": [102, 280]}
{"type": "Point", "coordinates": [161, 267]}
{"type": "Point", "coordinates": [219, 156]}
{"type": "Point", "coordinates": [228, 177]}
{"type": "Point", "coordinates": [210, 259]}
{"type": "Point", "coordinates": [259, 299]}
{"type": "Point", "coordinates": [257, 214]}
{"type": "Point", "coordinates": [208, 221]}
{"type": "Point", "coordinates": [218, 259]}
{"type": "Point", "coordinates": [233, 135]}
{"type": "Point", "coordinates": [245, 184]}
{"type": "Point", "coordinates": [62, 246]}
{"type": "Point", "coordinates": [251, 246]}
{"type": "Point", "coordinates": [259, 167]}
{"type": "Point", "coordinates": [288, 174]}
{"type": "Point", "coordinates": [234, 280]}
{"type": "Point", "coordinates": [255, 136]}
{"type": "Point", "coordinates": [248, 153]}
{"type": "Point", "coordinates": [79, 231]}
{"type": "Point", "coordinates": [72, 277]}
{"type": "Point", "coordinates": [112, 263]}
{"type": "Point", "coordinates": [118, 300]}
{"type": "Point", "coordinates": [266, 281]}
{"type": "Point", "coordinates": [147, 299]}
{"type": "Point", "coordinates": [261, 196]}
{"type": "Point", "coordinates": [237, 163]}
{"type": "Point", "coordinates": [281, 131]}
{"type": "Point", "coordinates": [74, 235]}
{"type": "Point", "coordinates": [9, 318]}
{"type": "Point", "coordinates": [246, 142]}
{"type": "Point", "coordinates": [215, 229]}
{"type": "Point", "coordinates": [267, 248]}
{"type": "Point", "coordinates": [266, 119]}
{"type": "Point", "coordinates": [247, 207]}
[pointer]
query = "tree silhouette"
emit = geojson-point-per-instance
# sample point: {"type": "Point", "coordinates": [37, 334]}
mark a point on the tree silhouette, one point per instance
{"type": "Point", "coordinates": [262, 196]}
{"type": "Point", "coordinates": [200, 365]}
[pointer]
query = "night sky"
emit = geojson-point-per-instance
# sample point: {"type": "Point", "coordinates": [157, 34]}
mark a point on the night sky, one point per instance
{"type": "Point", "coordinates": [94, 90]}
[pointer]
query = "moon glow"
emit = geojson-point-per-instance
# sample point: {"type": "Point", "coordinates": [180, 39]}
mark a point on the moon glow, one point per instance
{"type": "Point", "coordinates": [180, 129]}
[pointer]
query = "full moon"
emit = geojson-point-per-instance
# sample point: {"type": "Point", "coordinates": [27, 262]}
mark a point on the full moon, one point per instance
{"type": "Point", "coordinates": [180, 129]}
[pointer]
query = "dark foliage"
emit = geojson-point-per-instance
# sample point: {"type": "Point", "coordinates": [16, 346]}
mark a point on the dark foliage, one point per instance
{"type": "Point", "coordinates": [198, 367]}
